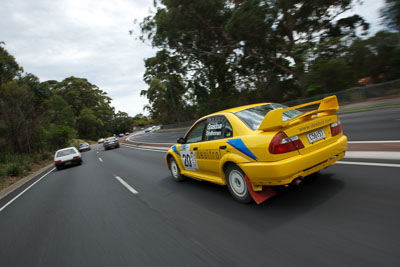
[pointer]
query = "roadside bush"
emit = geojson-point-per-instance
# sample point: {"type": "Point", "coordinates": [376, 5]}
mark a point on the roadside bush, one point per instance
{"type": "Point", "coordinates": [15, 164]}
{"type": "Point", "coordinates": [14, 169]}
{"type": "Point", "coordinates": [47, 155]}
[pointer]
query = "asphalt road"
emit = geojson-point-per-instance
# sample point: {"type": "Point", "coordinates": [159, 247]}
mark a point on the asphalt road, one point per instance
{"type": "Point", "coordinates": [374, 125]}
{"type": "Point", "coordinates": [84, 216]}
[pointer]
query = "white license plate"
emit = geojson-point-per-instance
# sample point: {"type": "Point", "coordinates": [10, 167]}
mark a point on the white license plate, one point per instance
{"type": "Point", "coordinates": [316, 136]}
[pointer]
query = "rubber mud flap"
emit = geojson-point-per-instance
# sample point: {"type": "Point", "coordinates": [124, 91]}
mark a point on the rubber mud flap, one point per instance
{"type": "Point", "coordinates": [260, 196]}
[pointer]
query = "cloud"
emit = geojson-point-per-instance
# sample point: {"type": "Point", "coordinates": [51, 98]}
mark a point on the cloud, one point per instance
{"type": "Point", "coordinates": [83, 38]}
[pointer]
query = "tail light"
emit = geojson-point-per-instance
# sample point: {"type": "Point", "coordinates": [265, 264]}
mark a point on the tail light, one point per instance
{"type": "Point", "coordinates": [77, 157]}
{"type": "Point", "coordinates": [58, 161]}
{"type": "Point", "coordinates": [281, 143]}
{"type": "Point", "coordinates": [336, 128]}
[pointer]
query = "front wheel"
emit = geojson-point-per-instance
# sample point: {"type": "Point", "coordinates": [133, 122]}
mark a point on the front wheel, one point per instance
{"type": "Point", "coordinates": [174, 168]}
{"type": "Point", "coordinates": [237, 184]}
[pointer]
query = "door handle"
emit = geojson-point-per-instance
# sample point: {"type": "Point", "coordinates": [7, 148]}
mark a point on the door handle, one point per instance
{"type": "Point", "coordinates": [222, 147]}
{"type": "Point", "coordinates": [195, 148]}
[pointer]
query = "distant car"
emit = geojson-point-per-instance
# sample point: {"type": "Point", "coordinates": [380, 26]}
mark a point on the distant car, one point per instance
{"type": "Point", "coordinates": [148, 130]}
{"type": "Point", "coordinates": [84, 147]}
{"type": "Point", "coordinates": [100, 141]}
{"type": "Point", "coordinates": [253, 148]}
{"type": "Point", "coordinates": [67, 157]}
{"type": "Point", "coordinates": [127, 133]}
{"type": "Point", "coordinates": [121, 135]}
{"type": "Point", "coordinates": [110, 142]}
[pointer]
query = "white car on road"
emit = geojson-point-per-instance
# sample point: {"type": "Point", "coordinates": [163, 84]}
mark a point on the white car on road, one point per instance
{"type": "Point", "coordinates": [67, 157]}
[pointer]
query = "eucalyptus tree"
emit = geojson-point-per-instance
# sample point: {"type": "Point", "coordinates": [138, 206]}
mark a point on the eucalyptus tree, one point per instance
{"type": "Point", "coordinates": [233, 51]}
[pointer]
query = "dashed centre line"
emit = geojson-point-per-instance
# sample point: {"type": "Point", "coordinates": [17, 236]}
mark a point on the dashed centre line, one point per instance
{"type": "Point", "coordinates": [100, 159]}
{"type": "Point", "coordinates": [126, 185]}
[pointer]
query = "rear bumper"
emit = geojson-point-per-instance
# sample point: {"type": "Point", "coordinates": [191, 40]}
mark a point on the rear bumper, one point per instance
{"type": "Point", "coordinates": [115, 145]}
{"type": "Point", "coordinates": [285, 171]}
{"type": "Point", "coordinates": [69, 163]}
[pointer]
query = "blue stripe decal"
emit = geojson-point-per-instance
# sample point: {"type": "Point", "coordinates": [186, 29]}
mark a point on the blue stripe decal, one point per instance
{"type": "Point", "coordinates": [239, 145]}
{"type": "Point", "coordinates": [175, 150]}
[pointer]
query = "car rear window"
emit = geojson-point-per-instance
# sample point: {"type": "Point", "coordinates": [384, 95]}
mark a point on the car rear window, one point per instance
{"type": "Point", "coordinates": [66, 152]}
{"type": "Point", "coordinates": [109, 139]}
{"type": "Point", "coordinates": [253, 117]}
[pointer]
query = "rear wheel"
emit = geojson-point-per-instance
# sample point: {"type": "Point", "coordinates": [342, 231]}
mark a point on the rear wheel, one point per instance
{"type": "Point", "coordinates": [174, 168]}
{"type": "Point", "coordinates": [237, 184]}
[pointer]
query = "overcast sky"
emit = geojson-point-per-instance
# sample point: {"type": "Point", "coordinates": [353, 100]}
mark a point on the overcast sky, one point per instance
{"type": "Point", "coordinates": [55, 39]}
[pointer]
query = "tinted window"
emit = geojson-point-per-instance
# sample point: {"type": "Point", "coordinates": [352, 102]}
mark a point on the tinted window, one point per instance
{"type": "Point", "coordinates": [228, 130]}
{"type": "Point", "coordinates": [65, 152]}
{"type": "Point", "coordinates": [196, 134]}
{"type": "Point", "coordinates": [253, 117]}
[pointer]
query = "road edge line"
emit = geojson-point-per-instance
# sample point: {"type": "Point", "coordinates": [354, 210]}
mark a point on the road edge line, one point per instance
{"type": "Point", "coordinates": [369, 164]}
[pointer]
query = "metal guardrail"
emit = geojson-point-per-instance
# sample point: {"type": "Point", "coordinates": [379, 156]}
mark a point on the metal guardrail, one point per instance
{"type": "Point", "coordinates": [345, 96]}
{"type": "Point", "coordinates": [355, 94]}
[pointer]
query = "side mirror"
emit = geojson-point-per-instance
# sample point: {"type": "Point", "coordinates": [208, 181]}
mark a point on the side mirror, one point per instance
{"type": "Point", "coordinates": [181, 140]}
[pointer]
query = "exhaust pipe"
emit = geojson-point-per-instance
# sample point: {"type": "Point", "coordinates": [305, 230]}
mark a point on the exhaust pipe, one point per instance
{"type": "Point", "coordinates": [297, 182]}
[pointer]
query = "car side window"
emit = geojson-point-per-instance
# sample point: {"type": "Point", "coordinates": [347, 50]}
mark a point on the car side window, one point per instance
{"type": "Point", "coordinates": [218, 127]}
{"type": "Point", "coordinates": [228, 130]}
{"type": "Point", "coordinates": [196, 134]}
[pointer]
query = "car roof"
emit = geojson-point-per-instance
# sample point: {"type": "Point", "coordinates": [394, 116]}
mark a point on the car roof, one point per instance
{"type": "Point", "coordinates": [233, 110]}
{"type": "Point", "coordinates": [236, 109]}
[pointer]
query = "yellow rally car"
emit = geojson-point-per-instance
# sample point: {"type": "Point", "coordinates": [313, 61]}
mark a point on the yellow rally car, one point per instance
{"type": "Point", "coordinates": [253, 148]}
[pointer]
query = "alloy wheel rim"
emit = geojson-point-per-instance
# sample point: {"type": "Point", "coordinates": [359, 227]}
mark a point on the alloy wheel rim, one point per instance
{"type": "Point", "coordinates": [237, 183]}
{"type": "Point", "coordinates": [174, 169]}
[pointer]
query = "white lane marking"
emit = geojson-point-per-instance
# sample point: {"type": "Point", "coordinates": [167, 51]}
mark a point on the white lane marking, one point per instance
{"type": "Point", "coordinates": [26, 189]}
{"type": "Point", "coordinates": [373, 142]}
{"type": "Point", "coordinates": [390, 155]}
{"type": "Point", "coordinates": [126, 185]}
{"type": "Point", "coordinates": [369, 164]}
{"type": "Point", "coordinates": [97, 152]}
{"type": "Point", "coordinates": [148, 149]}
{"type": "Point", "coordinates": [100, 160]}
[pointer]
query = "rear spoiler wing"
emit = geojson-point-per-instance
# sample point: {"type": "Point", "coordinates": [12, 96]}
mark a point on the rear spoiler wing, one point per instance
{"type": "Point", "coordinates": [274, 119]}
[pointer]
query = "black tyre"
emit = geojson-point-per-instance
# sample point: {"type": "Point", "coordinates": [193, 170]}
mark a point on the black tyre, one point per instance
{"type": "Point", "coordinates": [175, 171]}
{"type": "Point", "coordinates": [58, 168]}
{"type": "Point", "coordinates": [237, 184]}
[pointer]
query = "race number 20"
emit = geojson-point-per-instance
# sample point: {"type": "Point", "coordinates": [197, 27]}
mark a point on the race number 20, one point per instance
{"type": "Point", "coordinates": [188, 158]}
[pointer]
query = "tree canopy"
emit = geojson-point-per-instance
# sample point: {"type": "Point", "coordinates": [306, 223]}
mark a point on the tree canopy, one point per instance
{"type": "Point", "coordinates": [38, 116]}
{"type": "Point", "coordinates": [215, 54]}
